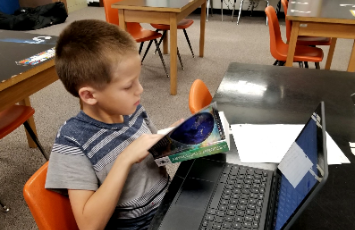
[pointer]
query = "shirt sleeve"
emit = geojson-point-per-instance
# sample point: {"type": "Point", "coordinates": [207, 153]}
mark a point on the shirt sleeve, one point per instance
{"type": "Point", "coordinates": [70, 168]}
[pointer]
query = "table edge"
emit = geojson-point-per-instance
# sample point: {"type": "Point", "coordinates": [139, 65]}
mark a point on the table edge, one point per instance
{"type": "Point", "coordinates": [321, 20]}
{"type": "Point", "coordinates": [25, 75]}
{"type": "Point", "coordinates": [119, 6]}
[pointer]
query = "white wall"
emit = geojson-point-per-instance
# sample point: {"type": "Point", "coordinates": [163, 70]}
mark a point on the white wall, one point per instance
{"type": "Point", "coordinates": [76, 5]}
{"type": "Point", "coordinates": [261, 6]}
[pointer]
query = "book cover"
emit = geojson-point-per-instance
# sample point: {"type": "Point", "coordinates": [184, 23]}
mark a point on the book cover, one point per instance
{"type": "Point", "coordinates": [200, 135]}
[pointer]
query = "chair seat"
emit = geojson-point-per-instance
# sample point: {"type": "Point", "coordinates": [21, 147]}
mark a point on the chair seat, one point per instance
{"type": "Point", "coordinates": [144, 35]}
{"type": "Point", "coordinates": [302, 53]}
{"type": "Point", "coordinates": [14, 117]}
{"type": "Point", "coordinates": [313, 41]}
{"type": "Point", "coordinates": [183, 24]}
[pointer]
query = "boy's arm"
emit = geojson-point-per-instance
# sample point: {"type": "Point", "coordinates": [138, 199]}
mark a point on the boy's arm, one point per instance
{"type": "Point", "coordinates": [92, 210]}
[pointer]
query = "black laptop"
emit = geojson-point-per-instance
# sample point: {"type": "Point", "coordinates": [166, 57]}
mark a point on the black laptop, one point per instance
{"type": "Point", "coordinates": [218, 195]}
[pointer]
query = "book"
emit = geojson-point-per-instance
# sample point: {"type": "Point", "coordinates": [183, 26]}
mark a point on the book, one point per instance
{"type": "Point", "coordinates": [204, 133]}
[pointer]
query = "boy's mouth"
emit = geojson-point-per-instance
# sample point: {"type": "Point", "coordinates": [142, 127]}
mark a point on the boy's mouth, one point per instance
{"type": "Point", "coordinates": [137, 103]}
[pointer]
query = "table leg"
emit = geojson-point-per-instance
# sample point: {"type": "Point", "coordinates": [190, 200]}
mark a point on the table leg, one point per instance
{"type": "Point", "coordinates": [351, 67]}
{"type": "Point", "coordinates": [292, 44]}
{"type": "Point", "coordinates": [330, 53]}
{"type": "Point", "coordinates": [173, 54]}
{"type": "Point", "coordinates": [121, 19]}
{"type": "Point", "coordinates": [26, 101]}
{"type": "Point", "coordinates": [202, 29]}
{"type": "Point", "coordinates": [165, 43]}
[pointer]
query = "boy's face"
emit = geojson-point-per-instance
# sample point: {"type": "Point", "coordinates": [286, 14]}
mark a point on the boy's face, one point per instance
{"type": "Point", "coordinates": [122, 95]}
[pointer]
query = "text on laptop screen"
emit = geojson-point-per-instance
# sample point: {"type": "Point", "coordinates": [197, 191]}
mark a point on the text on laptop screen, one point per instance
{"type": "Point", "coordinates": [291, 196]}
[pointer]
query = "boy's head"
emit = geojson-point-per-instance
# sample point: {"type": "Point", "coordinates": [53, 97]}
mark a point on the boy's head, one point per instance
{"type": "Point", "coordinates": [91, 55]}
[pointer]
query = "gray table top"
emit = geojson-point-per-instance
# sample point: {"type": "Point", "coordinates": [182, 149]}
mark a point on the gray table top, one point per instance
{"type": "Point", "coordinates": [259, 94]}
{"type": "Point", "coordinates": [18, 45]}
{"type": "Point", "coordinates": [328, 9]}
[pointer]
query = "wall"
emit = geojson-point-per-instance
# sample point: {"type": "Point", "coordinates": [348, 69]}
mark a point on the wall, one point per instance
{"type": "Point", "coordinates": [76, 5]}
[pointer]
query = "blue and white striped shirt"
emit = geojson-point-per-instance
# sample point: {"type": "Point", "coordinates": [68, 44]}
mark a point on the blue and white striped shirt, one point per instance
{"type": "Point", "coordinates": [85, 150]}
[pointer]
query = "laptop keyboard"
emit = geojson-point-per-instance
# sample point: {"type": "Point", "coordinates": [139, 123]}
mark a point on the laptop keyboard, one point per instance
{"type": "Point", "coordinates": [238, 199]}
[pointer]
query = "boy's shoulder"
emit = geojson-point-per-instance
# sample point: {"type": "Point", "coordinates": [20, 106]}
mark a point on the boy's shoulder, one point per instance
{"type": "Point", "coordinates": [81, 128]}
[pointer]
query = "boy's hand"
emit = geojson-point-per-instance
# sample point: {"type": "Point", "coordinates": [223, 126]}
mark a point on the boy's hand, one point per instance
{"type": "Point", "coordinates": [176, 123]}
{"type": "Point", "coordinates": [138, 149]}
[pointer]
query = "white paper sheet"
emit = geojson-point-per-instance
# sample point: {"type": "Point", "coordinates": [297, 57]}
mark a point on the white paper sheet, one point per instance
{"type": "Point", "coordinates": [295, 164]}
{"type": "Point", "coordinates": [225, 125]}
{"type": "Point", "coordinates": [269, 143]}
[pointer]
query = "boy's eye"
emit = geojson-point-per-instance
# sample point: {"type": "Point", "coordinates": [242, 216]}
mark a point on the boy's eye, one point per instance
{"type": "Point", "coordinates": [126, 88]}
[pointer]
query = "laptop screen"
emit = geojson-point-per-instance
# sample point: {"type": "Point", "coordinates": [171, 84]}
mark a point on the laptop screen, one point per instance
{"type": "Point", "coordinates": [303, 172]}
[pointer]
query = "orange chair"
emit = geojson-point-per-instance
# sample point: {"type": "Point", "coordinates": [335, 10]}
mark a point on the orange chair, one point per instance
{"type": "Point", "coordinates": [182, 25]}
{"type": "Point", "coordinates": [303, 40]}
{"type": "Point", "coordinates": [11, 119]}
{"type": "Point", "coordinates": [199, 96]}
{"type": "Point", "coordinates": [134, 29]}
{"type": "Point", "coordinates": [50, 210]}
{"type": "Point", "coordinates": [279, 49]}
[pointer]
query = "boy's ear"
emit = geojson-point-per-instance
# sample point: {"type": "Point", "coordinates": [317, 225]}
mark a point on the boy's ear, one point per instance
{"type": "Point", "coordinates": [86, 94]}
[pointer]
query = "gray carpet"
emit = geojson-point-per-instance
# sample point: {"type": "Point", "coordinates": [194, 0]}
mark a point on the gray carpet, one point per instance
{"type": "Point", "coordinates": [225, 42]}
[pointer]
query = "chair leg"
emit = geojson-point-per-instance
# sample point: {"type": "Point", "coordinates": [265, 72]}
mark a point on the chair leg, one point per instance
{"type": "Point", "coordinates": [317, 65]}
{"type": "Point", "coordinates": [233, 9]}
{"type": "Point", "coordinates": [141, 47]}
{"type": "Point", "coordinates": [267, 4]}
{"type": "Point", "coordinates": [306, 65]}
{"type": "Point", "coordinates": [208, 8]}
{"type": "Point", "coordinates": [188, 42]}
{"type": "Point", "coordinates": [146, 51]}
{"type": "Point", "coordinates": [35, 139]}
{"type": "Point", "coordinates": [161, 57]}
{"type": "Point", "coordinates": [211, 5]}
{"type": "Point", "coordinates": [4, 207]}
{"type": "Point", "coordinates": [178, 54]}
{"type": "Point", "coordinates": [222, 9]}
{"type": "Point", "coordinates": [240, 10]}
{"type": "Point", "coordinates": [300, 64]}
{"type": "Point", "coordinates": [161, 39]}
{"type": "Point", "coordinates": [281, 63]}
{"type": "Point", "coordinates": [278, 8]}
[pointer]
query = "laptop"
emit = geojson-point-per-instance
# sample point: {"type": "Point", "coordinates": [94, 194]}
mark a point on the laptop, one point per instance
{"type": "Point", "coordinates": [219, 195]}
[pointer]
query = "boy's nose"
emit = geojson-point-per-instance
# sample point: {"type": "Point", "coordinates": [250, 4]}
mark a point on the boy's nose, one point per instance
{"type": "Point", "coordinates": [140, 89]}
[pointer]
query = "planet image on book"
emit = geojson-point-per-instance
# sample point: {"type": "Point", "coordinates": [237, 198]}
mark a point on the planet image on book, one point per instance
{"type": "Point", "coordinates": [195, 130]}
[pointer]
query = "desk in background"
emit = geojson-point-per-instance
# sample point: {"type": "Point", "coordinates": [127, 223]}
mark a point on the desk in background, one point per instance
{"type": "Point", "coordinates": [258, 94]}
{"type": "Point", "coordinates": [18, 82]}
{"type": "Point", "coordinates": [167, 12]}
{"type": "Point", "coordinates": [322, 18]}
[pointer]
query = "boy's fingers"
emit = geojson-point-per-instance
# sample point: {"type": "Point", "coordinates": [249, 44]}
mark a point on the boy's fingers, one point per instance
{"type": "Point", "coordinates": [176, 123]}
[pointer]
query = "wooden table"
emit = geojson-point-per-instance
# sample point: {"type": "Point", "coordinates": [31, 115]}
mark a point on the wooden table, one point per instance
{"type": "Point", "coordinates": [168, 12]}
{"type": "Point", "coordinates": [322, 18]}
{"type": "Point", "coordinates": [17, 82]}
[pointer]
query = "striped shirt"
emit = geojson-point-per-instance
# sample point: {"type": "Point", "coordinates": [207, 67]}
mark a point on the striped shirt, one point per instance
{"type": "Point", "coordinates": [85, 150]}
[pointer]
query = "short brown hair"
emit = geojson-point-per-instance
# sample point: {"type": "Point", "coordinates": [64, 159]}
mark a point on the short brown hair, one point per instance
{"type": "Point", "coordinates": [86, 51]}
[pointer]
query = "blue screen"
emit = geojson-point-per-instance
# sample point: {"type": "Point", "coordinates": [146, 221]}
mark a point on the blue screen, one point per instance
{"type": "Point", "coordinates": [289, 197]}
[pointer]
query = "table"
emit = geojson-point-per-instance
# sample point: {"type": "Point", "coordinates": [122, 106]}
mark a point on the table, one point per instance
{"type": "Point", "coordinates": [168, 12]}
{"type": "Point", "coordinates": [289, 95]}
{"type": "Point", "coordinates": [322, 18]}
{"type": "Point", "coordinates": [18, 82]}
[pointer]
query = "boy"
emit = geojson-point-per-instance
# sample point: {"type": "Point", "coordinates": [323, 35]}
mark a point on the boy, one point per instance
{"type": "Point", "coordinates": [100, 156]}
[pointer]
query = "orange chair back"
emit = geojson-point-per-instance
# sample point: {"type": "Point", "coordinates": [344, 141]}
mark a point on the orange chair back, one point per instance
{"type": "Point", "coordinates": [288, 22]}
{"type": "Point", "coordinates": [199, 96]}
{"type": "Point", "coordinates": [276, 43]}
{"type": "Point", "coordinates": [50, 210]}
{"type": "Point", "coordinates": [112, 17]}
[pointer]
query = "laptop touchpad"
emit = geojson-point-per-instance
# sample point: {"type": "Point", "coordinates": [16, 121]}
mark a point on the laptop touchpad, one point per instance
{"type": "Point", "coordinates": [195, 194]}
